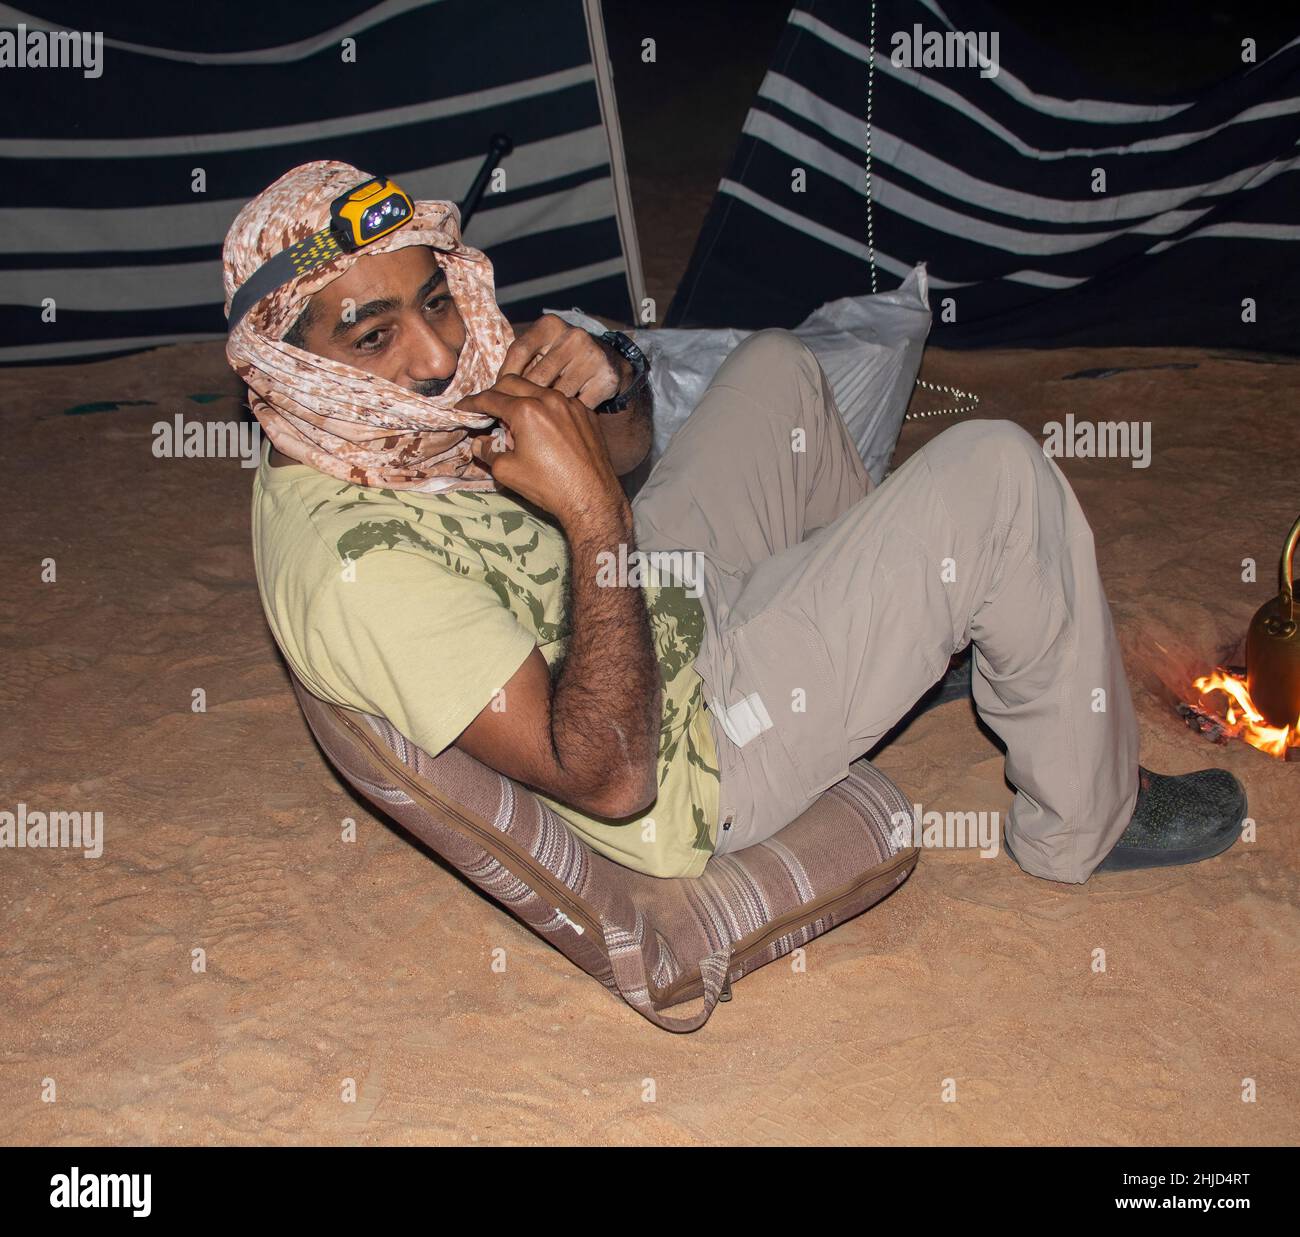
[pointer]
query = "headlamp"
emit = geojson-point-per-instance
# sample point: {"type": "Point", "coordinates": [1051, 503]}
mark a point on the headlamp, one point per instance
{"type": "Point", "coordinates": [366, 213]}
{"type": "Point", "coordinates": [358, 217]}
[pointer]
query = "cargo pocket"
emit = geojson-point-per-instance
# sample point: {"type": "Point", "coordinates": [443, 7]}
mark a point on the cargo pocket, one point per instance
{"type": "Point", "coordinates": [784, 689]}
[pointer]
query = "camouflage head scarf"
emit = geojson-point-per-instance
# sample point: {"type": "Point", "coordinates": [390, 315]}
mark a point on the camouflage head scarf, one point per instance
{"type": "Point", "coordinates": [336, 418]}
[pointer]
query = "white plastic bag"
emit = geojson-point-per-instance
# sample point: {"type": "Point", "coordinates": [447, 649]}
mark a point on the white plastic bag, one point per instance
{"type": "Point", "coordinates": [869, 346]}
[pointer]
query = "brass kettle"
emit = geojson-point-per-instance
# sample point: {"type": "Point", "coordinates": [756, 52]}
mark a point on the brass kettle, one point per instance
{"type": "Point", "coordinates": [1273, 649]}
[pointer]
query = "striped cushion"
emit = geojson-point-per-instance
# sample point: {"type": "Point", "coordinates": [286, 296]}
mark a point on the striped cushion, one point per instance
{"type": "Point", "coordinates": [655, 942]}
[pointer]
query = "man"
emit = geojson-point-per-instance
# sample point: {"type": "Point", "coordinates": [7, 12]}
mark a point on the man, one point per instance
{"type": "Point", "coordinates": [438, 517]}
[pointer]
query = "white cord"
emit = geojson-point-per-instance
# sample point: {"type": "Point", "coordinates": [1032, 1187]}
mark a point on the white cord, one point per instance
{"type": "Point", "coordinates": [871, 90]}
{"type": "Point", "coordinates": [967, 401]}
{"type": "Point", "coordinates": [962, 398]}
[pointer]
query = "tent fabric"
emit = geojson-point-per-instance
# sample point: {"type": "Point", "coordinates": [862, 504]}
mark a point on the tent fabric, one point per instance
{"type": "Point", "coordinates": [97, 204]}
{"type": "Point", "coordinates": [989, 179]}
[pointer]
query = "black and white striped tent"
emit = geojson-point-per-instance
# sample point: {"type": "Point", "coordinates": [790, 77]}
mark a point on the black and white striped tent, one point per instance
{"type": "Point", "coordinates": [1048, 211]}
{"type": "Point", "coordinates": [100, 213]}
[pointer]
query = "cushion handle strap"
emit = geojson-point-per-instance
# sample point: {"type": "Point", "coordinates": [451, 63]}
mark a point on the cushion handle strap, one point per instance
{"type": "Point", "coordinates": [628, 964]}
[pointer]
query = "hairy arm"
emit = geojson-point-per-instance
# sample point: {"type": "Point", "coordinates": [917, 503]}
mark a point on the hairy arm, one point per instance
{"type": "Point", "coordinates": [607, 698]}
{"type": "Point", "coordinates": [589, 734]}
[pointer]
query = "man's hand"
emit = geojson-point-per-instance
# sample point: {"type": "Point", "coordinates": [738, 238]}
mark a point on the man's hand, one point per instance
{"type": "Point", "coordinates": [553, 455]}
{"type": "Point", "coordinates": [590, 738]}
{"type": "Point", "coordinates": [552, 353]}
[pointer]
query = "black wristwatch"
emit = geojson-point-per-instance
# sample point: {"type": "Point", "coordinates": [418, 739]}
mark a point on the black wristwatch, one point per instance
{"type": "Point", "coordinates": [640, 365]}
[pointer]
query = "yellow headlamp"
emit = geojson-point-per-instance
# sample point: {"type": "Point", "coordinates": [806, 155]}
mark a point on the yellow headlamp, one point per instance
{"type": "Point", "coordinates": [369, 211]}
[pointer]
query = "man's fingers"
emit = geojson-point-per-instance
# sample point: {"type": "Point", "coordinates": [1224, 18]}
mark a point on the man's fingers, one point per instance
{"type": "Point", "coordinates": [503, 399]}
{"type": "Point", "coordinates": [499, 401]}
{"type": "Point", "coordinates": [570, 383]}
{"type": "Point", "coordinates": [533, 342]}
{"type": "Point", "coordinates": [488, 449]}
{"type": "Point", "coordinates": [596, 390]}
{"type": "Point", "coordinates": [546, 368]}
{"type": "Point", "coordinates": [511, 386]}
{"type": "Point", "coordinates": [519, 355]}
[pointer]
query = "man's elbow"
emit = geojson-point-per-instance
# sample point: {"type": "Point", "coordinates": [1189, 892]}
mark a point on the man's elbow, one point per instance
{"type": "Point", "coordinates": [629, 795]}
{"type": "Point", "coordinates": [629, 456]}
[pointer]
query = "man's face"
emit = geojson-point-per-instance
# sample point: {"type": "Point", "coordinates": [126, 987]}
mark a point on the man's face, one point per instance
{"type": "Point", "coordinates": [392, 315]}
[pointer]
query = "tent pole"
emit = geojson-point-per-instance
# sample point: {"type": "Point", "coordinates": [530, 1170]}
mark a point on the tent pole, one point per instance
{"type": "Point", "coordinates": [623, 212]}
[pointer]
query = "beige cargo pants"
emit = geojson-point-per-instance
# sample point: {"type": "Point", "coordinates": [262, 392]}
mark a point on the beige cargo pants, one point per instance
{"type": "Point", "coordinates": [831, 606]}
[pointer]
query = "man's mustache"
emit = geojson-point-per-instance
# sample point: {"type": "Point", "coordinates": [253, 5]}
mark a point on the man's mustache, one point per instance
{"type": "Point", "coordinates": [433, 386]}
{"type": "Point", "coordinates": [436, 386]}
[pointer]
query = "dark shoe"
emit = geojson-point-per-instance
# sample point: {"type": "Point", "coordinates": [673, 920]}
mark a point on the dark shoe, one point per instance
{"type": "Point", "coordinates": [955, 685]}
{"type": "Point", "coordinates": [1179, 819]}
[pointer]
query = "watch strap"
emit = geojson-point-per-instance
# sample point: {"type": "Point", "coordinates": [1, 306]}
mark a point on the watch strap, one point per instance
{"type": "Point", "coordinates": [640, 366]}
{"type": "Point", "coordinates": [620, 402]}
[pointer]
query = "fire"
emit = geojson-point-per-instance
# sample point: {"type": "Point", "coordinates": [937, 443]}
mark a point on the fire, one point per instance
{"type": "Point", "coordinates": [1244, 720]}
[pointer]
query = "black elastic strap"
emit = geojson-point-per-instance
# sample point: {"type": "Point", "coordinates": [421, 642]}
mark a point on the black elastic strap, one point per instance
{"type": "Point", "coordinates": [306, 255]}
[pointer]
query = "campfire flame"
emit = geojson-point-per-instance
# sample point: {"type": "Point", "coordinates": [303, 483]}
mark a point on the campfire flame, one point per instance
{"type": "Point", "coordinates": [1244, 721]}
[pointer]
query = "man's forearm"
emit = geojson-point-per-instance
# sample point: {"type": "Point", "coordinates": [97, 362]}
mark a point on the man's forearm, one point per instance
{"type": "Point", "coordinates": [607, 697]}
{"type": "Point", "coordinates": [628, 434]}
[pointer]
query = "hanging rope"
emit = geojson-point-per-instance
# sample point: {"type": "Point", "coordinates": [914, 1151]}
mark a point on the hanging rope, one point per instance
{"type": "Point", "coordinates": [967, 401]}
{"type": "Point", "coordinates": [871, 91]}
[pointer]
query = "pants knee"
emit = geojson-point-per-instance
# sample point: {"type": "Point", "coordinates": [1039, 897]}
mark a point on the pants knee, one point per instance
{"type": "Point", "coordinates": [983, 449]}
{"type": "Point", "coordinates": [770, 363]}
{"type": "Point", "coordinates": [986, 469]}
{"type": "Point", "coordinates": [775, 345]}
{"type": "Point", "coordinates": [998, 436]}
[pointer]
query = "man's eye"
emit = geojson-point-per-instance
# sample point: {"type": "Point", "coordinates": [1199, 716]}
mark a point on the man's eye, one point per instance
{"type": "Point", "coordinates": [438, 303]}
{"type": "Point", "coordinates": [371, 342]}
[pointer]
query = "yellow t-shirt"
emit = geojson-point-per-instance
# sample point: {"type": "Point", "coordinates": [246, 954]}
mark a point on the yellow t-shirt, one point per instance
{"type": "Point", "coordinates": [418, 607]}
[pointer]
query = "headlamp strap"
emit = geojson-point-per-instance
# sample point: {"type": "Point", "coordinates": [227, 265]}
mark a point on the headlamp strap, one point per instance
{"type": "Point", "coordinates": [298, 259]}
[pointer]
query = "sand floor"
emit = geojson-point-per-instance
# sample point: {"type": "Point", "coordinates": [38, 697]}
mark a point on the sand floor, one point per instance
{"type": "Point", "coordinates": [327, 961]}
